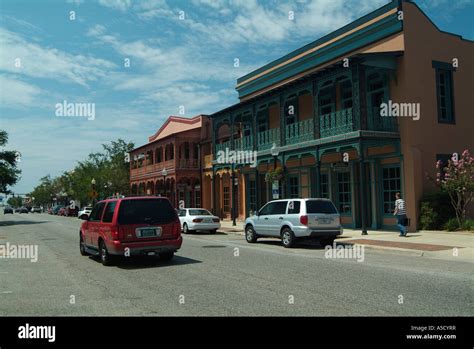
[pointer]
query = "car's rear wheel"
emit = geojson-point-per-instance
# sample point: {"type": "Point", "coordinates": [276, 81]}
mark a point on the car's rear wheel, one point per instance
{"type": "Point", "coordinates": [213, 231]}
{"type": "Point", "coordinates": [105, 258]}
{"type": "Point", "coordinates": [82, 247]}
{"type": "Point", "coordinates": [250, 234]}
{"type": "Point", "coordinates": [186, 229]}
{"type": "Point", "coordinates": [287, 238]}
{"type": "Point", "coordinates": [166, 256]}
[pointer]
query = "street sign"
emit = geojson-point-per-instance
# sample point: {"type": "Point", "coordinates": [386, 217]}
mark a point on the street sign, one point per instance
{"type": "Point", "coordinates": [93, 194]}
{"type": "Point", "coordinates": [276, 190]}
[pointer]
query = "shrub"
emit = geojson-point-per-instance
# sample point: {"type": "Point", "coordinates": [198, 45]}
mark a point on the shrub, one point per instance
{"type": "Point", "coordinates": [468, 225]}
{"type": "Point", "coordinates": [435, 211]}
{"type": "Point", "coordinates": [452, 225]}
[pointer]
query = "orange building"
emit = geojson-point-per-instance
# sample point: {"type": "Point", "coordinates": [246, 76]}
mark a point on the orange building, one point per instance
{"type": "Point", "coordinates": [169, 164]}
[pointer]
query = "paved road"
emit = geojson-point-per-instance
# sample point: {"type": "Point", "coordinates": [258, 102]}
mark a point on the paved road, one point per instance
{"type": "Point", "coordinates": [261, 280]}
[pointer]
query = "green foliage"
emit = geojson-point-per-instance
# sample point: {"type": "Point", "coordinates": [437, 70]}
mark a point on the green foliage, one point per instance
{"type": "Point", "coordinates": [451, 225]}
{"type": "Point", "coordinates": [9, 173]}
{"type": "Point", "coordinates": [468, 225]}
{"type": "Point", "coordinates": [274, 175]}
{"type": "Point", "coordinates": [435, 211]}
{"type": "Point", "coordinates": [108, 168]}
{"type": "Point", "coordinates": [15, 201]}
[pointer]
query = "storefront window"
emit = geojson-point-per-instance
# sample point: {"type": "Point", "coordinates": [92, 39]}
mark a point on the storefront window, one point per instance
{"type": "Point", "coordinates": [391, 185]}
{"type": "Point", "coordinates": [324, 187]}
{"type": "Point", "coordinates": [344, 192]}
{"type": "Point", "coordinates": [226, 199]}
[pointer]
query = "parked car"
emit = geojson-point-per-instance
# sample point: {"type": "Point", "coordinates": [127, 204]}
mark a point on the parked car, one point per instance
{"type": "Point", "coordinates": [7, 209]}
{"type": "Point", "coordinates": [17, 210]}
{"type": "Point", "coordinates": [36, 209]}
{"type": "Point", "coordinates": [84, 212]}
{"type": "Point", "coordinates": [71, 211]}
{"type": "Point", "coordinates": [23, 210]}
{"type": "Point", "coordinates": [198, 219]}
{"type": "Point", "coordinates": [56, 209]}
{"type": "Point", "coordinates": [129, 227]}
{"type": "Point", "coordinates": [292, 219]}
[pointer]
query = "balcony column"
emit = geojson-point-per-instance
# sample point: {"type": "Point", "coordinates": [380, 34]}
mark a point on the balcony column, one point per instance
{"type": "Point", "coordinates": [362, 190]}
{"type": "Point", "coordinates": [316, 117]}
{"type": "Point", "coordinates": [254, 128]}
{"type": "Point", "coordinates": [359, 97]}
{"type": "Point", "coordinates": [318, 174]}
{"type": "Point", "coordinates": [282, 120]}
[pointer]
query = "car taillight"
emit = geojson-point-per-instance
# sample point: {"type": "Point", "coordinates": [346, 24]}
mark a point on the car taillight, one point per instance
{"type": "Point", "coordinates": [216, 220]}
{"type": "Point", "coordinates": [176, 229]}
{"type": "Point", "coordinates": [304, 220]}
{"type": "Point", "coordinates": [197, 220]}
{"type": "Point", "coordinates": [115, 234]}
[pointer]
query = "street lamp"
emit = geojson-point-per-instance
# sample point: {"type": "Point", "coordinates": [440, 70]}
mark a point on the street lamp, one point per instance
{"type": "Point", "coordinates": [275, 152]}
{"type": "Point", "coordinates": [164, 173]}
{"type": "Point", "coordinates": [93, 182]}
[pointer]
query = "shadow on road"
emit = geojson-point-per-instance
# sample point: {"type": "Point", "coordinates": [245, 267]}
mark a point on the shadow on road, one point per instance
{"type": "Point", "coordinates": [299, 245]}
{"type": "Point", "coordinates": [8, 223]}
{"type": "Point", "coordinates": [145, 262]}
{"type": "Point", "coordinates": [205, 233]}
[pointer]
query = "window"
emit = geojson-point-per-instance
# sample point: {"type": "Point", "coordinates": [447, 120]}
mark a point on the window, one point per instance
{"type": "Point", "coordinates": [226, 199]}
{"type": "Point", "coordinates": [197, 198]}
{"type": "Point", "coordinates": [344, 192]}
{"type": "Point", "coordinates": [182, 213]}
{"type": "Point", "coordinates": [320, 206]}
{"type": "Point", "coordinates": [199, 213]}
{"type": "Point", "coordinates": [346, 95]}
{"type": "Point", "coordinates": [109, 212]}
{"type": "Point", "coordinates": [294, 186]}
{"type": "Point", "coordinates": [267, 209]}
{"type": "Point", "coordinates": [262, 120]}
{"type": "Point", "coordinates": [96, 213]}
{"type": "Point", "coordinates": [391, 185]}
{"type": "Point", "coordinates": [294, 207]}
{"type": "Point", "coordinates": [158, 155]}
{"type": "Point", "coordinates": [291, 111]}
{"type": "Point", "coordinates": [252, 195]}
{"type": "Point", "coordinates": [150, 211]}
{"type": "Point", "coordinates": [444, 91]}
{"type": "Point", "coordinates": [326, 101]}
{"type": "Point", "coordinates": [279, 207]}
{"type": "Point", "coordinates": [324, 187]}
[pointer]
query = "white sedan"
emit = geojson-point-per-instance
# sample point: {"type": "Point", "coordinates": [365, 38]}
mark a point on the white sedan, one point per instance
{"type": "Point", "coordinates": [193, 219]}
{"type": "Point", "coordinates": [84, 212]}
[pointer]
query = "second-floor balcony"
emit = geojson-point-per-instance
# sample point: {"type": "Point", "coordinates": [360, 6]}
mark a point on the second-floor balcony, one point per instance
{"type": "Point", "coordinates": [266, 139]}
{"type": "Point", "coordinates": [337, 123]}
{"type": "Point", "coordinates": [299, 132]}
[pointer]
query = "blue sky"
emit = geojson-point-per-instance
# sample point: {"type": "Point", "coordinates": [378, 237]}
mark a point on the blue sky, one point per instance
{"type": "Point", "coordinates": [173, 62]}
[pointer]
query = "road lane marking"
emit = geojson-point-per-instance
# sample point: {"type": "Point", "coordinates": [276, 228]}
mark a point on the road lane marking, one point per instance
{"type": "Point", "coordinates": [7, 292]}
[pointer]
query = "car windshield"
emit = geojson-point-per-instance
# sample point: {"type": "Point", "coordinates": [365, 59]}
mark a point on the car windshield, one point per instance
{"type": "Point", "coordinates": [146, 211]}
{"type": "Point", "coordinates": [199, 213]}
{"type": "Point", "coordinates": [320, 206]}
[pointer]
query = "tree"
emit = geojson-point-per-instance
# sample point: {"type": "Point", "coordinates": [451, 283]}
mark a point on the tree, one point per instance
{"type": "Point", "coordinates": [15, 201]}
{"type": "Point", "coordinates": [9, 173]}
{"type": "Point", "coordinates": [457, 179]}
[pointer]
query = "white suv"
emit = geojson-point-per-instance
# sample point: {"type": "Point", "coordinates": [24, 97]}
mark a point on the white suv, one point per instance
{"type": "Point", "coordinates": [291, 219]}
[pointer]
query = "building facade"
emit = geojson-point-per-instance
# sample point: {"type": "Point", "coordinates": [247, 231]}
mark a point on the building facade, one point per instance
{"type": "Point", "coordinates": [356, 116]}
{"type": "Point", "coordinates": [169, 164]}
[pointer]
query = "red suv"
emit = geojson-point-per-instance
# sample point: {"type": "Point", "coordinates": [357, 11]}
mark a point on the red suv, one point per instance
{"type": "Point", "coordinates": [129, 227]}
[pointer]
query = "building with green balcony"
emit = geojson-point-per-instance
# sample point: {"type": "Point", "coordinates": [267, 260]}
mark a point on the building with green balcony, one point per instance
{"type": "Point", "coordinates": [317, 113]}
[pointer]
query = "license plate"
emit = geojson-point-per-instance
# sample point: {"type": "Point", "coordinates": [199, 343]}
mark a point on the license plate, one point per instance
{"type": "Point", "coordinates": [148, 232]}
{"type": "Point", "coordinates": [207, 220]}
{"type": "Point", "coordinates": [324, 220]}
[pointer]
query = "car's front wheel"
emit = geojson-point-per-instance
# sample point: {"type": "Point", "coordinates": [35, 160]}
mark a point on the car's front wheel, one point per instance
{"type": "Point", "coordinates": [105, 258]}
{"type": "Point", "coordinates": [82, 247]}
{"type": "Point", "coordinates": [287, 238]}
{"type": "Point", "coordinates": [250, 234]}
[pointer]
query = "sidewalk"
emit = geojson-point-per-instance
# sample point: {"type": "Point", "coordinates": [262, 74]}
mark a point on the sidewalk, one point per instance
{"type": "Point", "coordinates": [435, 244]}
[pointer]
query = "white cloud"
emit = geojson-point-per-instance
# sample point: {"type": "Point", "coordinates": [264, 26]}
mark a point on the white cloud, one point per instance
{"type": "Point", "coordinates": [16, 93]}
{"type": "Point", "coordinates": [120, 5]}
{"type": "Point", "coordinates": [50, 63]}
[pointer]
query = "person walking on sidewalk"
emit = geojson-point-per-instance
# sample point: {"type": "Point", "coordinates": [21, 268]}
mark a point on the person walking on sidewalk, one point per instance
{"type": "Point", "coordinates": [401, 213]}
